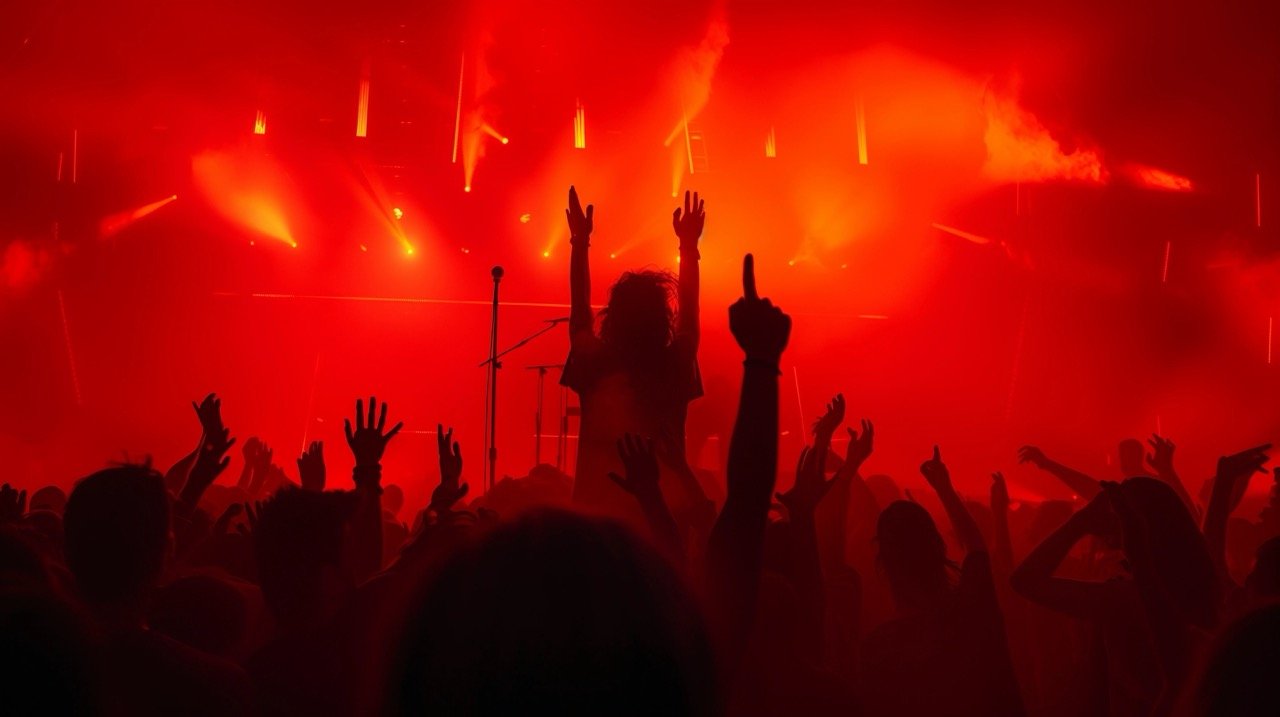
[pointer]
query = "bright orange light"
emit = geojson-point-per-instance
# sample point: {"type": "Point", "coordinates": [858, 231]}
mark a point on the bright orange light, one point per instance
{"type": "Point", "coordinates": [613, 256]}
{"type": "Point", "coordinates": [364, 248]}
{"type": "Point", "coordinates": [244, 188]}
{"type": "Point", "coordinates": [860, 115]}
{"type": "Point", "coordinates": [467, 188]}
{"type": "Point", "coordinates": [457, 117]}
{"type": "Point", "coordinates": [395, 211]}
{"type": "Point", "coordinates": [466, 250]}
{"type": "Point", "coordinates": [546, 254]}
{"type": "Point", "coordinates": [505, 140]}
{"type": "Point", "coordinates": [114, 223]}
{"type": "Point", "coordinates": [524, 218]}
{"type": "Point", "coordinates": [1160, 179]}
{"type": "Point", "coordinates": [362, 109]}
{"type": "Point", "coordinates": [408, 250]}
{"type": "Point", "coordinates": [489, 130]}
{"type": "Point", "coordinates": [260, 123]}
{"type": "Point", "coordinates": [770, 145]}
{"type": "Point", "coordinates": [1019, 148]}
{"type": "Point", "coordinates": [791, 262]}
{"type": "Point", "coordinates": [580, 128]}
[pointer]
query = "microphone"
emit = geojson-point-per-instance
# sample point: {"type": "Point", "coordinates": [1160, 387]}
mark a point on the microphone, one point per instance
{"type": "Point", "coordinates": [496, 272]}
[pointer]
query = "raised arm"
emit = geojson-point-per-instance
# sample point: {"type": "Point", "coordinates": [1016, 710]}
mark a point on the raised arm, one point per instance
{"type": "Point", "coordinates": [1002, 556]}
{"type": "Point", "coordinates": [1084, 486]}
{"type": "Point", "coordinates": [211, 456]}
{"type": "Point", "coordinates": [688, 228]}
{"type": "Point", "coordinates": [734, 548]}
{"type": "Point", "coordinates": [580, 227]}
{"type": "Point", "coordinates": [1161, 461]}
{"type": "Point", "coordinates": [939, 478]}
{"type": "Point", "coordinates": [1034, 580]}
{"type": "Point", "coordinates": [368, 442]}
{"type": "Point", "coordinates": [1232, 477]}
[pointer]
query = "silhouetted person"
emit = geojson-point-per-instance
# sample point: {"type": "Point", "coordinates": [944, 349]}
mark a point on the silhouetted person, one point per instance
{"type": "Point", "coordinates": [555, 613]}
{"type": "Point", "coordinates": [639, 373]}
{"type": "Point", "coordinates": [1148, 618]}
{"type": "Point", "coordinates": [1239, 677]}
{"type": "Point", "coordinates": [117, 537]}
{"type": "Point", "coordinates": [945, 653]}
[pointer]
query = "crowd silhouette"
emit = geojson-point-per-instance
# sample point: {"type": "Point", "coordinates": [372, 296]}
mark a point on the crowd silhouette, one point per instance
{"type": "Point", "coordinates": [627, 590]}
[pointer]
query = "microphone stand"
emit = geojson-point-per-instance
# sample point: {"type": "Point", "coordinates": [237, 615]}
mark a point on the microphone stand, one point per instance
{"type": "Point", "coordinates": [491, 385]}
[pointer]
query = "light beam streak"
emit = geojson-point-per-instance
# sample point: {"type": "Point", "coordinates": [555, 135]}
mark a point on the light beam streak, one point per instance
{"type": "Point", "coordinates": [260, 123]}
{"type": "Point", "coordinates": [770, 145]}
{"type": "Point", "coordinates": [115, 223]}
{"type": "Point", "coordinates": [1164, 273]}
{"type": "Point", "coordinates": [71, 356]}
{"type": "Point", "coordinates": [860, 115]}
{"type": "Point", "coordinates": [362, 109]}
{"type": "Point", "coordinates": [962, 234]}
{"type": "Point", "coordinates": [580, 128]}
{"type": "Point", "coordinates": [457, 117]}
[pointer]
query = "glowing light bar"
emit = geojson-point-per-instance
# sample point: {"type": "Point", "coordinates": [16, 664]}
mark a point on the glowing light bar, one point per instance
{"type": "Point", "coordinates": [1160, 179]}
{"type": "Point", "coordinates": [362, 109]}
{"type": "Point", "coordinates": [580, 128]}
{"type": "Point", "coordinates": [688, 145]}
{"type": "Point", "coordinates": [1164, 273]}
{"type": "Point", "coordinates": [962, 234]}
{"type": "Point", "coordinates": [1257, 199]}
{"type": "Point", "coordinates": [860, 116]}
{"type": "Point", "coordinates": [457, 118]}
{"type": "Point", "coordinates": [260, 123]}
{"type": "Point", "coordinates": [770, 145]}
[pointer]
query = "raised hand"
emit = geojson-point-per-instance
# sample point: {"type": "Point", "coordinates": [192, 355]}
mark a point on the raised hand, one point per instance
{"type": "Point", "coordinates": [212, 457]}
{"type": "Point", "coordinates": [449, 491]}
{"type": "Point", "coordinates": [810, 487]}
{"type": "Point", "coordinates": [580, 223]}
{"type": "Point", "coordinates": [759, 327]}
{"type": "Point", "coordinates": [1032, 455]}
{"type": "Point", "coordinates": [311, 472]}
{"type": "Point", "coordinates": [935, 472]}
{"type": "Point", "coordinates": [827, 424]}
{"type": "Point", "coordinates": [999, 494]}
{"type": "Point", "coordinates": [13, 504]}
{"type": "Point", "coordinates": [1161, 456]}
{"type": "Point", "coordinates": [641, 465]}
{"type": "Point", "coordinates": [368, 441]}
{"type": "Point", "coordinates": [1234, 472]}
{"type": "Point", "coordinates": [689, 225]}
{"type": "Point", "coordinates": [860, 446]}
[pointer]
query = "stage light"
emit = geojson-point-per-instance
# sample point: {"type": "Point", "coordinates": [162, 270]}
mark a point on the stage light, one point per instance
{"type": "Point", "coordinates": [504, 140]}
{"type": "Point", "coordinates": [580, 128]}
{"type": "Point", "coordinates": [524, 218]}
{"type": "Point", "coordinates": [408, 250]}
{"type": "Point", "coordinates": [362, 109]}
{"type": "Point", "coordinates": [791, 262]}
{"type": "Point", "coordinates": [770, 145]}
{"type": "Point", "coordinates": [546, 254]}
{"type": "Point", "coordinates": [115, 223]}
{"type": "Point", "coordinates": [613, 256]}
{"type": "Point", "coordinates": [260, 123]}
{"type": "Point", "coordinates": [466, 250]}
{"type": "Point", "coordinates": [364, 248]}
{"type": "Point", "coordinates": [467, 188]}
{"type": "Point", "coordinates": [860, 116]}
{"type": "Point", "coordinates": [395, 211]}
{"type": "Point", "coordinates": [1160, 179]}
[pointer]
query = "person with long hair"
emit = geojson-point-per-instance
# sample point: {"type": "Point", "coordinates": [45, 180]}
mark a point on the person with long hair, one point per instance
{"type": "Point", "coordinates": [639, 372]}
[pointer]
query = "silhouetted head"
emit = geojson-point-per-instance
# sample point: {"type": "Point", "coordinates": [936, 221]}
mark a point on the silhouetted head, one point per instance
{"type": "Point", "coordinates": [639, 318]}
{"type": "Point", "coordinates": [1181, 556]}
{"type": "Point", "coordinates": [50, 498]}
{"type": "Point", "coordinates": [1132, 456]}
{"type": "Point", "coordinates": [1264, 579]}
{"type": "Point", "coordinates": [1239, 678]}
{"type": "Point", "coordinates": [912, 554]}
{"type": "Point", "coordinates": [117, 533]}
{"type": "Point", "coordinates": [554, 613]}
{"type": "Point", "coordinates": [299, 543]}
